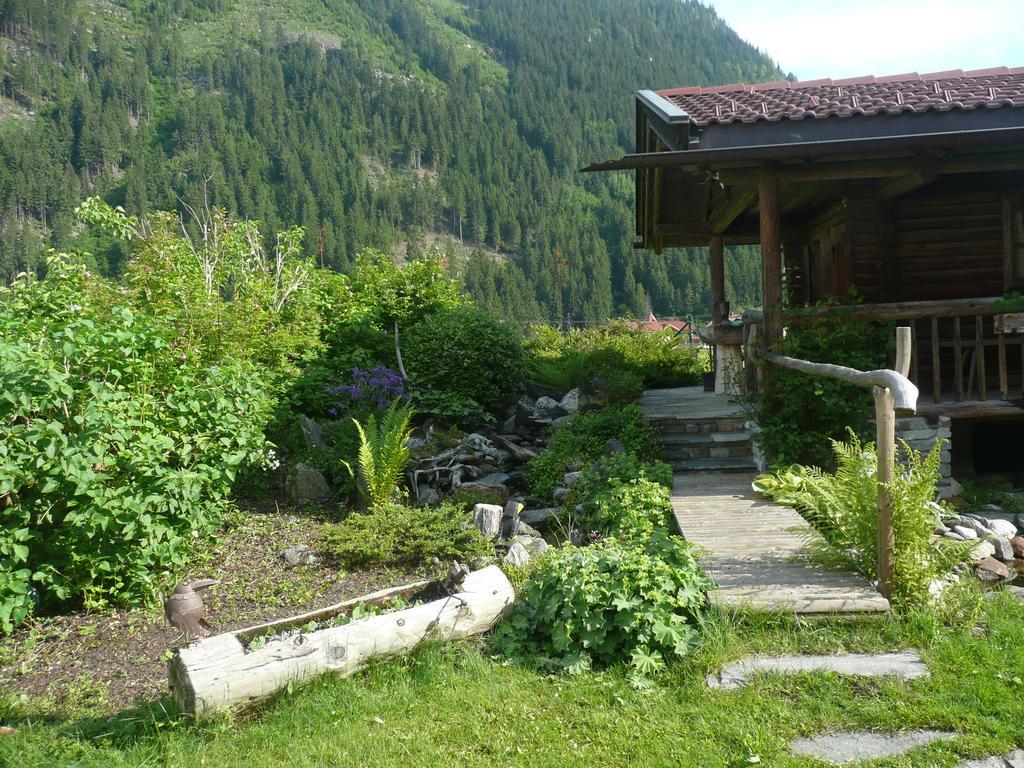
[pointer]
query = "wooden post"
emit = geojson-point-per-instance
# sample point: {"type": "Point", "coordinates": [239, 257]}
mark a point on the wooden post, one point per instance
{"type": "Point", "coordinates": [771, 259]}
{"type": "Point", "coordinates": [716, 253]}
{"type": "Point", "coordinates": [885, 443]}
{"type": "Point", "coordinates": [979, 357]}
{"type": "Point", "coordinates": [936, 363]}
{"type": "Point", "coordinates": [904, 345]}
{"type": "Point", "coordinates": [958, 362]}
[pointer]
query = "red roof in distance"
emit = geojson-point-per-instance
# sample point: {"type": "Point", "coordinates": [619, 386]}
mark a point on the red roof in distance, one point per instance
{"type": "Point", "coordinates": [895, 94]}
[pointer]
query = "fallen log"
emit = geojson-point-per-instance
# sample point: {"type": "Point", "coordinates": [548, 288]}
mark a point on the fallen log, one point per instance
{"type": "Point", "coordinates": [229, 669]}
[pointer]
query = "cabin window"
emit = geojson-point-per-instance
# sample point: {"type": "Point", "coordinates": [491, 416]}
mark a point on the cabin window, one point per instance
{"type": "Point", "coordinates": [1014, 234]}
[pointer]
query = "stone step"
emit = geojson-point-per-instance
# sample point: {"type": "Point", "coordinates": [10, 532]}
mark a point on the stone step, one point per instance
{"type": "Point", "coordinates": [855, 746]}
{"type": "Point", "coordinates": [705, 438]}
{"type": "Point", "coordinates": [679, 424]}
{"type": "Point", "coordinates": [705, 465]}
{"type": "Point", "coordinates": [905, 665]}
{"type": "Point", "coordinates": [709, 451]}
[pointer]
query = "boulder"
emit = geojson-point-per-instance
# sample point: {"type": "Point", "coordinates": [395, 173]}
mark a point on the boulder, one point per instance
{"type": "Point", "coordinates": [1003, 548]}
{"type": "Point", "coordinates": [495, 478]}
{"type": "Point", "coordinates": [311, 432]}
{"type": "Point", "coordinates": [571, 401]}
{"type": "Point", "coordinates": [1017, 542]}
{"type": "Point", "coordinates": [522, 529]}
{"type": "Point", "coordinates": [538, 516]}
{"type": "Point", "coordinates": [487, 517]}
{"type": "Point", "coordinates": [991, 571]}
{"type": "Point", "coordinates": [547, 408]}
{"type": "Point", "coordinates": [613, 447]}
{"type": "Point", "coordinates": [982, 550]}
{"type": "Point", "coordinates": [525, 412]}
{"type": "Point", "coordinates": [298, 554]}
{"type": "Point", "coordinates": [559, 493]}
{"type": "Point", "coordinates": [976, 523]}
{"type": "Point", "coordinates": [517, 554]}
{"type": "Point", "coordinates": [1003, 528]}
{"type": "Point", "coordinates": [426, 495]}
{"type": "Point", "coordinates": [306, 484]}
{"type": "Point", "coordinates": [490, 489]}
{"type": "Point", "coordinates": [569, 479]}
{"type": "Point", "coordinates": [965, 533]}
{"type": "Point", "coordinates": [518, 452]}
{"type": "Point", "coordinates": [953, 536]}
{"type": "Point", "coordinates": [534, 545]}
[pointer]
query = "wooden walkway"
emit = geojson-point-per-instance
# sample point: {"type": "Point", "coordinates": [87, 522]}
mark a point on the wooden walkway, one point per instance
{"type": "Point", "coordinates": [753, 547]}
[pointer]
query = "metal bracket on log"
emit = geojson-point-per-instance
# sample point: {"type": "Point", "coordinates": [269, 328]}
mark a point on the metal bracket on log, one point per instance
{"type": "Point", "coordinates": [218, 672]}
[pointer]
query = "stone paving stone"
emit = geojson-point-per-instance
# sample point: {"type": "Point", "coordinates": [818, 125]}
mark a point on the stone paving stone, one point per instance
{"type": "Point", "coordinates": [906, 665]}
{"type": "Point", "coordinates": [843, 748]}
{"type": "Point", "coordinates": [1013, 760]}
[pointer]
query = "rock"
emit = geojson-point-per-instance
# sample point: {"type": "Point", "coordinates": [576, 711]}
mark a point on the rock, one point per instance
{"type": "Point", "coordinates": [487, 517]}
{"type": "Point", "coordinates": [538, 516]}
{"type": "Point", "coordinates": [1003, 528]}
{"type": "Point", "coordinates": [1017, 542]}
{"type": "Point", "coordinates": [982, 550]}
{"type": "Point", "coordinates": [533, 544]}
{"type": "Point", "coordinates": [569, 479]}
{"type": "Point", "coordinates": [311, 432]}
{"type": "Point", "coordinates": [613, 446]}
{"type": "Point", "coordinates": [977, 524]}
{"type": "Point", "coordinates": [519, 453]}
{"type": "Point", "coordinates": [952, 535]}
{"type": "Point", "coordinates": [1003, 548]}
{"type": "Point", "coordinates": [1013, 760]}
{"type": "Point", "coordinates": [426, 495]}
{"type": "Point", "coordinates": [509, 425]}
{"type": "Point", "coordinates": [305, 484]}
{"type": "Point", "coordinates": [489, 489]}
{"type": "Point", "coordinates": [517, 554]}
{"type": "Point", "coordinates": [991, 571]}
{"type": "Point", "coordinates": [965, 533]}
{"type": "Point", "coordinates": [510, 519]}
{"type": "Point", "coordinates": [525, 412]}
{"type": "Point", "coordinates": [480, 562]}
{"type": "Point", "coordinates": [560, 421]}
{"type": "Point", "coordinates": [559, 493]}
{"type": "Point", "coordinates": [527, 530]}
{"type": "Point", "coordinates": [571, 401]}
{"type": "Point", "coordinates": [852, 747]}
{"type": "Point", "coordinates": [495, 478]}
{"type": "Point", "coordinates": [546, 408]}
{"type": "Point", "coordinates": [298, 554]}
{"type": "Point", "coordinates": [904, 665]}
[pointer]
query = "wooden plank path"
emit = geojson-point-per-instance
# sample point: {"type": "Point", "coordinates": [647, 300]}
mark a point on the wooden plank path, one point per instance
{"type": "Point", "coordinates": [753, 548]}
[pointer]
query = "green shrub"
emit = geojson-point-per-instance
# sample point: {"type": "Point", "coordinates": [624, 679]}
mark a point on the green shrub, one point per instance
{"type": "Point", "coordinates": [578, 357]}
{"type": "Point", "coordinates": [800, 415]}
{"type": "Point", "coordinates": [635, 602]}
{"type": "Point", "coordinates": [399, 535]}
{"type": "Point", "coordinates": [842, 507]}
{"type": "Point", "coordinates": [615, 470]}
{"type": "Point", "coordinates": [633, 510]}
{"type": "Point", "coordinates": [466, 351]}
{"type": "Point", "coordinates": [116, 457]}
{"type": "Point", "coordinates": [582, 440]}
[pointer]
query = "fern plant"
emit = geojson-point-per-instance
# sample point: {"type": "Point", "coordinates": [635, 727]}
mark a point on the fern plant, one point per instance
{"type": "Point", "coordinates": [383, 453]}
{"type": "Point", "coordinates": [842, 508]}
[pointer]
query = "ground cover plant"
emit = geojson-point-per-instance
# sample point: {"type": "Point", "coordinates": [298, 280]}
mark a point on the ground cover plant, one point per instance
{"type": "Point", "coordinates": [842, 508]}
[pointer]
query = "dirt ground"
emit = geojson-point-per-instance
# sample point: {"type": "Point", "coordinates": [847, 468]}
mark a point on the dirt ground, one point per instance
{"type": "Point", "coordinates": [115, 660]}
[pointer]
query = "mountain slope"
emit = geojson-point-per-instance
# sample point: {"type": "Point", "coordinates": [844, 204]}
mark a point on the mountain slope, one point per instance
{"type": "Point", "coordinates": [372, 123]}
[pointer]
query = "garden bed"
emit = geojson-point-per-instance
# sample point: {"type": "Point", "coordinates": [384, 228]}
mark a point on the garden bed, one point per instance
{"type": "Point", "coordinates": [114, 660]}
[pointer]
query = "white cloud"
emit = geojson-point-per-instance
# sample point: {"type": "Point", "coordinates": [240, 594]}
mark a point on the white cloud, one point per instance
{"type": "Point", "coordinates": [879, 37]}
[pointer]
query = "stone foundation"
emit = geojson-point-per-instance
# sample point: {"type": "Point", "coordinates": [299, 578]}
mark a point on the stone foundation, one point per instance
{"type": "Point", "coordinates": [921, 433]}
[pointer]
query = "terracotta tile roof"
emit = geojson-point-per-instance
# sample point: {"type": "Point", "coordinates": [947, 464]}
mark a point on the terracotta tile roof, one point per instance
{"type": "Point", "coordinates": [783, 100]}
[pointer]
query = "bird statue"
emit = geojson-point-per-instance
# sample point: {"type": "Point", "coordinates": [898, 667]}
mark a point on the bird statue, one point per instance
{"type": "Point", "coordinates": [184, 609]}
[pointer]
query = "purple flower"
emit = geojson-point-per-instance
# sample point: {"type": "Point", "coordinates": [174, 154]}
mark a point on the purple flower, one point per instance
{"type": "Point", "coordinates": [377, 388]}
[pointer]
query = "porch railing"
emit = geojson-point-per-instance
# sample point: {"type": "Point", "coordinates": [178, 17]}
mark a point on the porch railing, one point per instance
{"type": "Point", "coordinates": [955, 350]}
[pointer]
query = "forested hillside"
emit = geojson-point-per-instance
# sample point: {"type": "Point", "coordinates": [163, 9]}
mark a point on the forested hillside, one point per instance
{"type": "Point", "coordinates": [402, 125]}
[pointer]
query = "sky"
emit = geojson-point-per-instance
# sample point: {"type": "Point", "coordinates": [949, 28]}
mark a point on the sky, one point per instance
{"type": "Point", "coordinates": [847, 38]}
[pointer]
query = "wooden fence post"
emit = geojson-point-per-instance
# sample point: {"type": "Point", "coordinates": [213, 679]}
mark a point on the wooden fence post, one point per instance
{"type": "Point", "coordinates": [885, 443]}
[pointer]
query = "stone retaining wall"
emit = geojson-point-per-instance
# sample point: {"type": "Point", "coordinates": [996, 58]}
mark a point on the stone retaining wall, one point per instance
{"type": "Point", "coordinates": [921, 433]}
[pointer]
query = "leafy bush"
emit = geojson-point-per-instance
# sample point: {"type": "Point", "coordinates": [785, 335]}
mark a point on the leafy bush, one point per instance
{"type": "Point", "coordinates": [115, 457]}
{"type": "Point", "coordinates": [615, 470]}
{"type": "Point", "coordinates": [578, 357]}
{"type": "Point", "coordinates": [383, 453]}
{"type": "Point", "coordinates": [582, 440]}
{"type": "Point", "coordinates": [633, 510]}
{"type": "Point", "coordinates": [468, 352]}
{"type": "Point", "coordinates": [637, 602]}
{"type": "Point", "coordinates": [399, 535]}
{"type": "Point", "coordinates": [842, 507]}
{"type": "Point", "coordinates": [801, 415]}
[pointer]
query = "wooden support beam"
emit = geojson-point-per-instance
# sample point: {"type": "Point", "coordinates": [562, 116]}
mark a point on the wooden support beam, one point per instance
{"type": "Point", "coordinates": [771, 259]}
{"type": "Point", "coordinates": [979, 357]}
{"type": "Point", "coordinates": [958, 361]}
{"type": "Point", "coordinates": [716, 259]}
{"type": "Point", "coordinates": [936, 363]}
{"type": "Point", "coordinates": [885, 443]}
{"type": "Point", "coordinates": [1004, 386]}
{"type": "Point", "coordinates": [737, 200]}
{"type": "Point", "coordinates": [907, 184]}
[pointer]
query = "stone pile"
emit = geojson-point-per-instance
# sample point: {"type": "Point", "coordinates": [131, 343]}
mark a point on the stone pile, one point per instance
{"type": "Point", "coordinates": [998, 542]}
{"type": "Point", "coordinates": [515, 541]}
{"type": "Point", "coordinates": [491, 464]}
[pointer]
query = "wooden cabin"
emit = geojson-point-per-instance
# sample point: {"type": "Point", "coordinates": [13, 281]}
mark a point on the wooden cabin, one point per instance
{"type": "Point", "coordinates": [908, 189]}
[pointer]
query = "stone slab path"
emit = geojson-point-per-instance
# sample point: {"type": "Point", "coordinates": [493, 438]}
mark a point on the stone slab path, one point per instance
{"type": "Point", "coordinates": [753, 548]}
{"type": "Point", "coordinates": [843, 748]}
{"type": "Point", "coordinates": [1013, 760]}
{"type": "Point", "coordinates": [905, 665]}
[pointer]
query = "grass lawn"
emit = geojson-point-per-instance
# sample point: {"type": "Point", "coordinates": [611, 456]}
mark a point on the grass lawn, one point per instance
{"type": "Point", "coordinates": [456, 706]}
